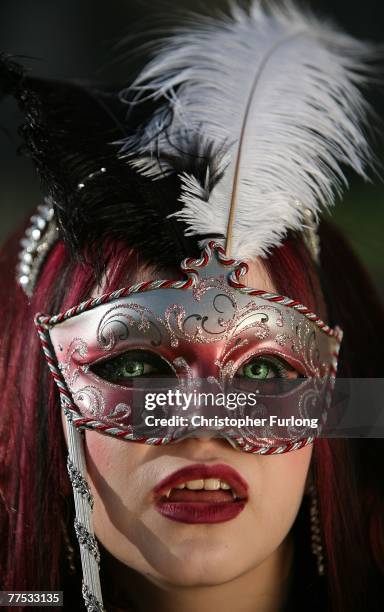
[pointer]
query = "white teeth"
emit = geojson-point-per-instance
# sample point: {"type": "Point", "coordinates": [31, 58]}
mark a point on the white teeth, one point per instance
{"type": "Point", "coordinates": [211, 484]}
{"type": "Point", "coordinates": [195, 485]}
{"type": "Point", "coordinates": [224, 485]}
{"type": "Point", "coordinates": [234, 495]}
{"type": "Point", "coordinates": [208, 484]}
{"type": "Point", "coordinates": [167, 494]}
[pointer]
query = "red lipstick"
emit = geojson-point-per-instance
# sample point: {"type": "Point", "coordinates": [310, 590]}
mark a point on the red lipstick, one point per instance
{"type": "Point", "coordinates": [201, 505]}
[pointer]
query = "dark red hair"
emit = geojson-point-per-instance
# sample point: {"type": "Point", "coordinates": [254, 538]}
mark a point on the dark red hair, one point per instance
{"type": "Point", "coordinates": [35, 493]}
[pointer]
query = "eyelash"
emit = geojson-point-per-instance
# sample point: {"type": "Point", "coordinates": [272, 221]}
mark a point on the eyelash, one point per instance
{"type": "Point", "coordinates": [112, 365]}
{"type": "Point", "coordinates": [277, 365]}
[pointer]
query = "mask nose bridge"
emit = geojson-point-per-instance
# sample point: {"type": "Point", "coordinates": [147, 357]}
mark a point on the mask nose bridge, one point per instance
{"type": "Point", "coordinates": [203, 359]}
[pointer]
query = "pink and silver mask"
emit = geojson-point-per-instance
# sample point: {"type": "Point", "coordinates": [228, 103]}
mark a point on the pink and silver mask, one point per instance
{"type": "Point", "coordinates": [207, 334]}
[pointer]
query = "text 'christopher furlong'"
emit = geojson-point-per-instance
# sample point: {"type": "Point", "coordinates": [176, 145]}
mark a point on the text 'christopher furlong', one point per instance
{"type": "Point", "coordinates": [229, 421]}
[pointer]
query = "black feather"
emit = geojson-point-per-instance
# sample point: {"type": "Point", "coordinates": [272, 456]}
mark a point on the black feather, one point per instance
{"type": "Point", "coordinates": [68, 131]}
{"type": "Point", "coordinates": [11, 75]}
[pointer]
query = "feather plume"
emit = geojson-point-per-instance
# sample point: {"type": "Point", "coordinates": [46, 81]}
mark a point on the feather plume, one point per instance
{"type": "Point", "coordinates": [277, 92]}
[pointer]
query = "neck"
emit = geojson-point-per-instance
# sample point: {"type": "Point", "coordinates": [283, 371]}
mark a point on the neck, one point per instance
{"type": "Point", "coordinates": [261, 589]}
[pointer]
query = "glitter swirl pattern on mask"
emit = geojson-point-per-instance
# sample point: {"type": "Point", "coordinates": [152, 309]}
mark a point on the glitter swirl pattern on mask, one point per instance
{"type": "Point", "coordinates": [206, 331]}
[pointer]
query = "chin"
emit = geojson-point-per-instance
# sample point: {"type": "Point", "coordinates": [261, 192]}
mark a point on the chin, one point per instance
{"type": "Point", "coordinates": [196, 562]}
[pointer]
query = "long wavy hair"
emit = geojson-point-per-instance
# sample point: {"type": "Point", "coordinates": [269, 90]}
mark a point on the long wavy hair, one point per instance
{"type": "Point", "coordinates": [35, 492]}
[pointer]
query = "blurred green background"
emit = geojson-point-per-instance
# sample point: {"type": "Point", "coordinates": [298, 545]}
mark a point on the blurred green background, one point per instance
{"type": "Point", "coordinates": [74, 38]}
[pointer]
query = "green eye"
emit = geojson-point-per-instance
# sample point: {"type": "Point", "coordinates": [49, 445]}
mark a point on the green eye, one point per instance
{"type": "Point", "coordinates": [263, 367]}
{"type": "Point", "coordinates": [131, 368]}
{"type": "Point", "coordinates": [267, 374]}
{"type": "Point", "coordinates": [258, 370]}
{"type": "Point", "coordinates": [133, 364]}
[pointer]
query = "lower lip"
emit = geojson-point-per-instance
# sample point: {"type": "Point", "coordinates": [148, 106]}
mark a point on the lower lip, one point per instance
{"type": "Point", "coordinates": [200, 512]}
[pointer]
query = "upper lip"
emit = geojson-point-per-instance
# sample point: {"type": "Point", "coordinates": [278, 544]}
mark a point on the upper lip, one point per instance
{"type": "Point", "coordinates": [199, 471]}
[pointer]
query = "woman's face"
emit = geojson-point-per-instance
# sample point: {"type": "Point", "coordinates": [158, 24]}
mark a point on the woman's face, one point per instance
{"type": "Point", "coordinates": [197, 545]}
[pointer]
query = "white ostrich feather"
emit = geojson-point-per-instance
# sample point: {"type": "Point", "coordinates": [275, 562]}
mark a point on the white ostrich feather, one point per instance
{"type": "Point", "coordinates": [279, 90]}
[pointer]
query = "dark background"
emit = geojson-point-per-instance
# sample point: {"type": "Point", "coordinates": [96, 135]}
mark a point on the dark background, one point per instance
{"type": "Point", "coordinates": [76, 38]}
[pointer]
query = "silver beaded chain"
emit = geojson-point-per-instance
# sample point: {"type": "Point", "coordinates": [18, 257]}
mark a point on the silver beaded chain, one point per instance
{"type": "Point", "coordinates": [89, 550]}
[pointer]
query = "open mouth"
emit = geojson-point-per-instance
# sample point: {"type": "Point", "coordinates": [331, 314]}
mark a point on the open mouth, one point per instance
{"type": "Point", "coordinates": [201, 493]}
